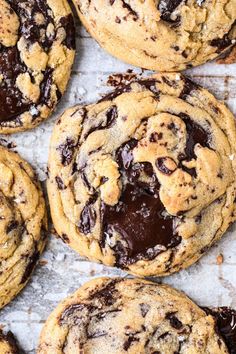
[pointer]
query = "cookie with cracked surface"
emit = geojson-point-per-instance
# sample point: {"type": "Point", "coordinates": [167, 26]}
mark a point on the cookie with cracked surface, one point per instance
{"type": "Point", "coordinates": [163, 35]}
{"type": "Point", "coordinates": [37, 49]}
{"type": "Point", "coordinates": [136, 179]}
{"type": "Point", "coordinates": [22, 224]}
{"type": "Point", "coordinates": [8, 344]}
{"type": "Point", "coordinates": [130, 316]}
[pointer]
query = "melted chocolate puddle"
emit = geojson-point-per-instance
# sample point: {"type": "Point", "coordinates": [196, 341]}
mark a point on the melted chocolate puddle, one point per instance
{"type": "Point", "coordinates": [139, 217]}
{"type": "Point", "coordinates": [225, 324]}
{"type": "Point", "coordinates": [12, 102]}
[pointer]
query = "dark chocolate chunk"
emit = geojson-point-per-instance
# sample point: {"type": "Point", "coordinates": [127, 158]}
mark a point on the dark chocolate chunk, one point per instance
{"type": "Point", "coordinates": [225, 325]}
{"type": "Point", "coordinates": [167, 7]}
{"type": "Point", "coordinates": [139, 217]}
{"type": "Point", "coordinates": [67, 149]}
{"type": "Point", "coordinates": [60, 183]}
{"type": "Point", "coordinates": [69, 26]}
{"type": "Point", "coordinates": [130, 10]}
{"type": "Point", "coordinates": [189, 87]}
{"type": "Point", "coordinates": [108, 294]}
{"type": "Point", "coordinates": [12, 103]}
{"type": "Point", "coordinates": [144, 308]}
{"type": "Point", "coordinates": [174, 321]}
{"type": "Point", "coordinates": [196, 135]}
{"type": "Point", "coordinates": [12, 226]}
{"type": "Point", "coordinates": [161, 165]}
{"type": "Point", "coordinates": [30, 266]}
{"type": "Point", "coordinates": [129, 341]}
{"type": "Point", "coordinates": [221, 43]}
{"type": "Point", "coordinates": [88, 216]}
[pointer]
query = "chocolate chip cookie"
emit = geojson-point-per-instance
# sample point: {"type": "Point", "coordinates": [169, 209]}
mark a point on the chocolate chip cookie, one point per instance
{"type": "Point", "coordinates": [8, 344]}
{"type": "Point", "coordinates": [22, 224]}
{"type": "Point", "coordinates": [164, 35]}
{"type": "Point", "coordinates": [37, 49]}
{"type": "Point", "coordinates": [131, 316]}
{"type": "Point", "coordinates": [144, 179]}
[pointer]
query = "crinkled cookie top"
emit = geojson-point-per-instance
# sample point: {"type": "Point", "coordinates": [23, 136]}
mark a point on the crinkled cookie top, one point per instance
{"type": "Point", "coordinates": [121, 316]}
{"type": "Point", "coordinates": [136, 179]}
{"type": "Point", "coordinates": [22, 224]}
{"type": "Point", "coordinates": [164, 35]}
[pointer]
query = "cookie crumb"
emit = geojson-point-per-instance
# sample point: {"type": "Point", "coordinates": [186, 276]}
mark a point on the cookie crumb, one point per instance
{"type": "Point", "coordinates": [43, 262]}
{"type": "Point", "coordinates": [220, 259]}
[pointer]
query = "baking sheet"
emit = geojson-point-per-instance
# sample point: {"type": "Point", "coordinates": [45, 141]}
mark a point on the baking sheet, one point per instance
{"type": "Point", "coordinates": [61, 271]}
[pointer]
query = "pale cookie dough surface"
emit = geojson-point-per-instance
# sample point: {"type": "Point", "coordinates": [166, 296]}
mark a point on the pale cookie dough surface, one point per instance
{"type": "Point", "coordinates": [144, 179]}
{"type": "Point", "coordinates": [22, 224]}
{"type": "Point", "coordinates": [129, 316]}
{"type": "Point", "coordinates": [37, 49]}
{"type": "Point", "coordinates": [8, 344]}
{"type": "Point", "coordinates": [163, 35]}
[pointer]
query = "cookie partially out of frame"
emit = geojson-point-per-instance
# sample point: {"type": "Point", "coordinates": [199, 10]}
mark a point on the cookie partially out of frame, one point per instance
{"type": "Point", "coordinates": [163, 35]}
{"type": "Point", "coordinates": [8, 344]}
{"type": "Point", "coordinates": [37, 49]}
{"type": "Point", "coordinates": [144, 179]}
{"type": "Point", "coordinates": [22, 224]}
{"type": "Point", "coordinates": [130, 316]}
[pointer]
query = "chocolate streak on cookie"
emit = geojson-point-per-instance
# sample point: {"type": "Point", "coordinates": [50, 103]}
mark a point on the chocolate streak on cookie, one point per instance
{"type": "Point", "coordinates": [225, 325]}
{"type": "Point", "coordinates": [149, 84]}
{"type": "Point", "coordinates": [12, 102]}
{"type": "Point", "coordinates": [195, 134]}
{"type": "Point", "coordinates": [33, 259]}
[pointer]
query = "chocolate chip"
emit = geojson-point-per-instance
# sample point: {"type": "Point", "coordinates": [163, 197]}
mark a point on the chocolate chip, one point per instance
{"type": "Point", "coordinates": [68, 24]}
{"type": "Point", "coordinates": [108, 294]}
{"type": "Point", "coordinates": [144, 308]}
{"type": "Point", "coordinates": [221, 43]}
{"type": "Point", "coordinates": [154, 137]}
{"type": "Point", "coordinates": [60, 183]}
{"type": "Point", "coordinates": [226, 325]}
{"type": "Point", "coordinates": [65, 238]}
{"type": "Point", "coordinates": [167, 7]}
{"type": "Point", "coordinates": [112, 115]}
{"type": "Point", "coordinates": [174, 321]}
{"type": "Point", "coordinates": [88, 217]}
{"type": "Point", "coordinates": [188, 88]}
{"type": "Point", "coordinates": [162, 165]}
{"type": "Point", "coordinates": [30, 266]}
{"type": "Point", "coordinates": [67, 150]}
{"type": "Point", "coordinates": [12, 226]}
